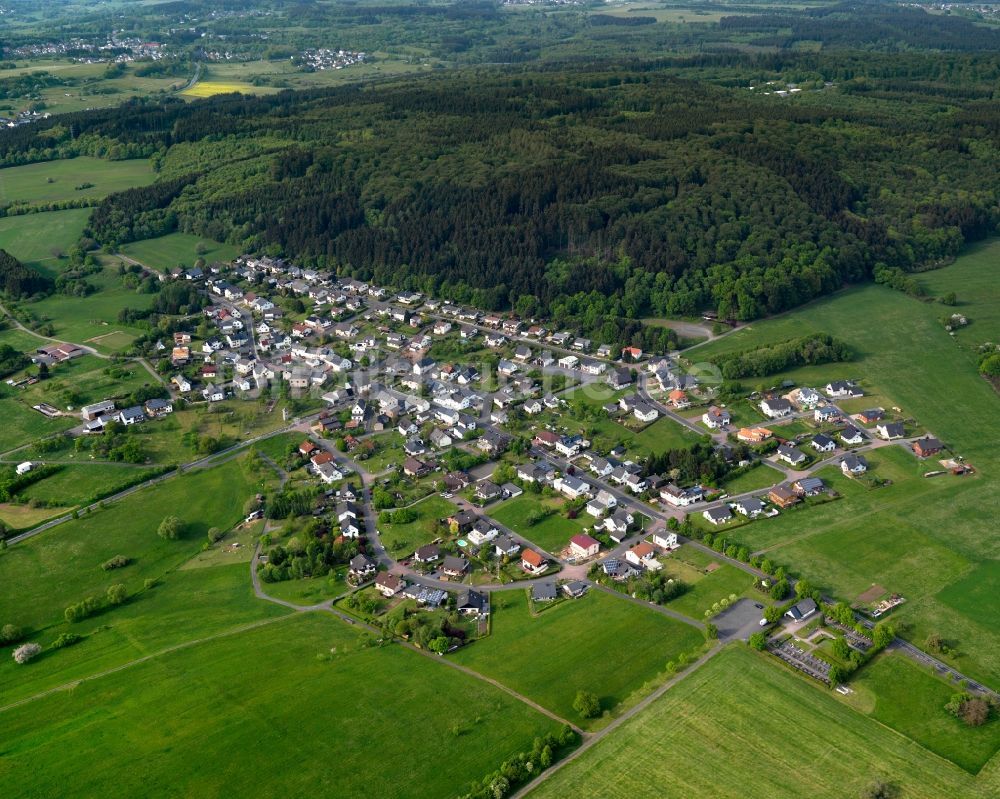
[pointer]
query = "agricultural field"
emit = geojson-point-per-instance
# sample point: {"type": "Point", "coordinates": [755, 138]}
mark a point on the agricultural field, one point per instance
{"type": "Point", "coordinates": [400, 540]}
{"type": "Point", "coordinates": [897, 692]}
{"type": "Point", "coordinates": [275, 740]}
{"type": "Point", "coordinates": [67, 179]}
{"type": "Point", "coordinates": [209, 88]}
{"type": "Point", "coordinates": [81, 483]}
{"type": "Point", "coordinates": [177, 249]}
{"type": "Point", "coordinates": [39, 239]}
{"type": "Point", "coordinates": [63, 565]}
{"type": "Point", "coordinates": [553, 532]}
{"type": "Point", "coordinates": [917, 536]}
{"type": "Point", "coordinates": [187, 604]}
{"type": "Point", "coordinates": [20, 340]}
{"type": "Point", "coordinates": [564, 649]}
{"type": "Point", "coordinates": [743, 727]}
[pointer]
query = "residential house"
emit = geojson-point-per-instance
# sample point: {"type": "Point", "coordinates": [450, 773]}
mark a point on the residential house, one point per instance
{"type": "Point", "coordinates": [753, 435]}
{"type": "Point", "coordinates": [644, 554]}
{"type": "Point", "coordinates": [751, 507]}
{"type": "Point", "coordinates": [665, 539]}
{"type": "Point", "coordinates": [158, 407]}
{"type": "Point", "coordinates": [361, 567]}
{"type": "Point", "coordinates": [843, 388]}
{"type": "Point", "coordinates": [853, 464]}
{"type": "Point", "coordinates": [532, 562]}
{"type": "Point", "coordinates": [927, 446]}
{"type": "Point", "coordinates": [412, 467]}
{"type": "Point", "coordinates": [620, 378]}
{"type": "Point", "coordinates": [783, 496]}
{"type": "Point", "coordinates": [584, 546]}
{"type": "Point", "coordinates": [505, 546]}
{"type": "Point", "coordinates": [809, 486]}
{"type": "Point", "coordinates": [543, 592]}
{"type": "Point", "coordinates": [826, 414]}
{"type": "Point", "coordinates": [427, 554]}
{"type": "Point", "coordinates": [572, 487]}
{"type": "Point", "coordinates": [716, 418]}
{"type": "Point", "coordinates": [472, 603]}
{"type": "Point", "coordinates": [890, 430]}
{"type": "Point", "coordinates": [487, 491]}
{"type": "Point", "coordinates": [823, 443]}
{"type": "Point", "coordinates": [454, 566]}
{"type": "Point", "coordinates": [871, 415]}
{"type": "Point", "coordinates": [389, 584]}
{"type": "Point", "coordinates": [719, 515]}
{"type": "Point", "coordinates": [852, 436]}
{"type": "Point", "coordinates": [575, 589]}
{"type": "Point", "coordinates": [775, 408]}
{"type": "Point", "coordinates": [791, 455]}
{"type": "Point", "coordinates": [678, 399]}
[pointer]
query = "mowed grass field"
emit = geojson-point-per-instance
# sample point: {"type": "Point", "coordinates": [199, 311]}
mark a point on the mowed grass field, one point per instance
{"type": "Point", "coordinates": [32, 238]}
{"type": "Point", "coordinates": [184, 605]}
{"type": "Point", "coordinates": [917, 536]}
{"type": "Point", "coordinates": [58, 180]}
{"type": "Point", "coordinates": [75, 484]}
{"type": "Point", "coordinates": [743, 727]}
{"type": "Point", "coordinates": [177, 249]}
{"type": "Point", "coordinates": [599, 643]}
{"type": "Point", "coordinates": [975, 279]}
{"type": "Point", "coordinates": [553, 532]}
{"type": "Point", "coordinates": [319, 712]}
{"type": "Point", "coordinates": [897, 692]}
{"type": "Point", "coordinates": [47, 573]}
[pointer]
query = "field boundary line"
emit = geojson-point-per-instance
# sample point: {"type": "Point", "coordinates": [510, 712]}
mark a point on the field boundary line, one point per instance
{"type": "Point", "coordinates": [594, 738]}
{"type": "Point", "coordinates": [145, 658]}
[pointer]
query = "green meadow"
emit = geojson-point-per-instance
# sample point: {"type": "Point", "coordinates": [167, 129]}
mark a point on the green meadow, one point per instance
{"type": "Point", "coordinates": [67, 179]}
{"type": "Point", "coordinates": [743, 727]}
{"type": "Point", "coordinates": [917, 536]}
{"type": "Point", "coordinates": [400, 540]}
{"type": "Point", "coordinates": [61, 566]}
{"type": "Point", "coordinates": [319, 712]}
{"type": "Point", "coordinates": [79, 483]}
{"type": "Point", "coordinates": [39, 239]}
{"type": "Point", "coordinates": [177, 249]}
{"type": "Point", "coordinates": [599, 643]}
{"type": "Point", "coordinates": [897, 692]}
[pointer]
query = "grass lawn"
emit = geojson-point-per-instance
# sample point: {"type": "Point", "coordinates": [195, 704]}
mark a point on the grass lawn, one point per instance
{"type": "Point", "coordinates": [80, 483]}
{"type": "Point", "coordinates": [716, 585]}
{"type": "Point", "coordinates": [400, 540]}
{"type": "Point", "coordinates": [24, 517]}
{"type": "Point", "coordinates": [553, 532]}
{"type": "Point", "coordinates": [309, 591]}
{"type": "Point", "coordinates": [975, 279]}
{"type": "Point", "coordinates": [175, 249]}
{"type": "Point", "coordinates": [61, 566]}
{"type": "Point", "coordinates": [552, 656]}
{"type": "Point", "coordinates": [202, 723]}
{"type": "Point", "coordinates": [22, 425]}
{"type": "Point", "coordinates": [909, 699]}
{"type": "Point", "coordinates": [86, 380]}
{"type": "Point", "coordinates": [759, 477]}
{"type": "Point", "coordinates": [741, 727]}
{"type": "Point", "coordinates": [390, 451]}
{"type": "Point", "coordinates": [58, 180]}
{"type": "Point", "coordinates": [976, 594]}
{"type": "Point", "coordinates": [32, 238]}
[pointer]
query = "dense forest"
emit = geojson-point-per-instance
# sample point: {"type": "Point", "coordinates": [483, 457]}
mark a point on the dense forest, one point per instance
{"type": "Point", "coordinates": [595, 194]}
{"type": "Point", "coordinates": [18, 280]}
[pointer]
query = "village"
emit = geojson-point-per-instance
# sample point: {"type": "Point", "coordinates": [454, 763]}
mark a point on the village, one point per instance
{"type": "Point", "coordinates": [452, 451]}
